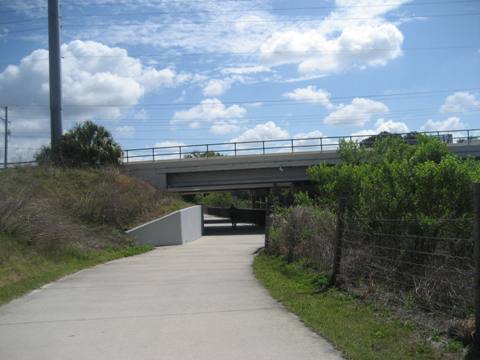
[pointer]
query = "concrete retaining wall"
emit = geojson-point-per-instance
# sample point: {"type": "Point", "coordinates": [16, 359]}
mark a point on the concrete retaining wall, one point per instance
{"type": "Point", "coordinates": [177, 228]}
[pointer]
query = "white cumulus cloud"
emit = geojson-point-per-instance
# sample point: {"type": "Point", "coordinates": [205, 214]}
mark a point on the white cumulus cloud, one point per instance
{"type": "Point", "coordinates": [311, 94]}
{"type": "Point", "coordinates": [243, 70]}
{"type": "Point", "coordinates": [461, 101]}
{"type": "Point", "coordinates": [223, 127]}
{"type": "Point", "coordinates": [266, 131]}
{"type": "Point", "coordinates": [452, 123]}
{"type": "Point", "coordinates": [358, 112]}
{"type": "Point", "coordinates": [99, 83]}
{"type": "Point", "coordinates": [355, 35]}
{"type": "Point", "coordinates": [216, 87]}
{"type": "Point", "coordinates": [211, 110]}
{"type": "Point", "coordinates": [382, 125]}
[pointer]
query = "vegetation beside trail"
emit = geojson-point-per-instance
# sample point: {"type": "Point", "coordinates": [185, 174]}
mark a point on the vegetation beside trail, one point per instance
{"type": "Point", "coordinates": [223, 199]}
{"type": "Point", "coordinates": [405, 229]}
{"type": "Point", "coordinates": [54, 221]}
{"type": "Point", "coordinates": [359, 330]}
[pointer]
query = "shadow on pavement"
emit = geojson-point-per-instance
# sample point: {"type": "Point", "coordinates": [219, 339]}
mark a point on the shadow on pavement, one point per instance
{"type": "Point", "coordinates": [227, 229]}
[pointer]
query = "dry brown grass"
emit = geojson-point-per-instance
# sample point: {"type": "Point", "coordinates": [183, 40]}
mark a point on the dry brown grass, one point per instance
{"type": "Point", "coordinates": [84, 208]}
{"type": "Point", "coordinates": [304, 233]}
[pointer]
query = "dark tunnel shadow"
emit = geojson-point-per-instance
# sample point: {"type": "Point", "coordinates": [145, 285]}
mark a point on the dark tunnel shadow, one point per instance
{"type": "Point", "coordinates": [227, 229]}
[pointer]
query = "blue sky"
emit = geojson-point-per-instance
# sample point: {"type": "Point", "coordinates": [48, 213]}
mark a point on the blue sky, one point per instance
{"type": "Point", "coordinates": [173, 72]}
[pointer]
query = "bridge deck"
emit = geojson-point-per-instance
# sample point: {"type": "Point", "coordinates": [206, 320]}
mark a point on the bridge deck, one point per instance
{"type": "Point", "coordinates": [243, 172]}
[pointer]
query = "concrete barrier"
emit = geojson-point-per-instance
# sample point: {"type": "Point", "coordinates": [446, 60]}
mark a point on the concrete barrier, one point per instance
{"type": "Point", "coordinates": [177, 228]}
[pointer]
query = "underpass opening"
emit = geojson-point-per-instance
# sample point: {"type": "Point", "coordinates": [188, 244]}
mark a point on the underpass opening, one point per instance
{"type": "Point", "coordinates": [226, 221]}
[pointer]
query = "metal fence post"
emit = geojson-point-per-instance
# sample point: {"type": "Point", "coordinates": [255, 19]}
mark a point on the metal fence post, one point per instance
{"type": "Point", "coordinates": [321, 144]}
{"type": "Point", "coordinates": [337, 246]}
{"type": "Point", "coordinates": [235, 148]}
{"type": "Point", "coordinates": [292, 145]}
{"type": "Point", "coordinates": [153, 154]}
{"type": "Point", "coordinates": [476, 239]}
{"type": "Point", "coordinates": [127, 154]}
{"type": "Point", "coordinates": [180, 152]}
{"type": "Point", "coordinates": [263, 147]}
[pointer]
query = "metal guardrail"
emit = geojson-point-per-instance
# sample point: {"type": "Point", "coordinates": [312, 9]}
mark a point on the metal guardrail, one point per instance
{"type": "Point", "coordinates": [263, 147]}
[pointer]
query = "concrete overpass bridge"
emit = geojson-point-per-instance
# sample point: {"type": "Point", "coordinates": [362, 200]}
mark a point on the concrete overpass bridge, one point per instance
{"type": "Point", "coordinates": [254, 164]}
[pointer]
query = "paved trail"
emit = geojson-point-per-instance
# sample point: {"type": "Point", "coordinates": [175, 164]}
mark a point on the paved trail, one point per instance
{"type": "Point", "coordinates": [198, 301]}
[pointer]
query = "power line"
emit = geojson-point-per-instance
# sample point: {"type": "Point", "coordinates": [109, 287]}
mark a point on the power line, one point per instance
{"type": "Point", "coordinates": [308, 118]}
{"type": "Point", "coordinates": [399, 95]}
{"type": "Point", "coordinates": [26, 30]}
{"type": "Point", "coordinates": [270, 9]}
{"type": "Point", "coordinates": [303, 53]}
{"type": "Point", "coordinates": [240, 122]}
{"type": "Point", "coordinates": [296, 20]}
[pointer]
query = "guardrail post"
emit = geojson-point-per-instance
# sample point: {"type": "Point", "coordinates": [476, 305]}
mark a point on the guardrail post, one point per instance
{"type": "Point", "coordinates": [153, 154]}
{"type": "Point", "coordinates": [292, 145]}
{"type": "Point", "coordinates": [321, 144]}
{"type": "Point", "coordinates": [263, 147]}
{"type": "Point", "coordinates": [180, 152]}
{"type": "Point", "coordinates": [468, 136]}
{"type": "Point", "coordinates": [127, 155]}
{"type": "Point", "coordinates": [235, 149]}
{"type": "Point", "coordinates": [207, 149]}
{"type": "Point", "coordinates": [337, 246]}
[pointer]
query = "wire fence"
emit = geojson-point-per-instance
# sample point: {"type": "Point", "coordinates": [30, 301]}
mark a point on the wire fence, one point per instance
{"type": "Point", "coordinates": [431, 273]}
{"type": "Point", "coordinates": [428, 269]}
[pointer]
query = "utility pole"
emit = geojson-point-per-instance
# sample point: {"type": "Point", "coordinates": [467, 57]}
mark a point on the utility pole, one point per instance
{"type": "Point", "coordinates": [5, 152]}
{"type": "Point", "coordinates": [55, 73]}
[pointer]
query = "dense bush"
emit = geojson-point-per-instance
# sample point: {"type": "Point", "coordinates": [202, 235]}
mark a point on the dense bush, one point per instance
{"type": "Point", "coordinates": [222, 199]}
{"type": "Point", "coordinates": [394, 180]}
{"type": "Point", "coordinates": [86, 144]}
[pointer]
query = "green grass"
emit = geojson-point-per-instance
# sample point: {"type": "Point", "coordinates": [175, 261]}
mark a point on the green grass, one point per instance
{"type": "Point", "coordinates": [24, 268]}
{"type": "Point", "coordinates": [360, 331]}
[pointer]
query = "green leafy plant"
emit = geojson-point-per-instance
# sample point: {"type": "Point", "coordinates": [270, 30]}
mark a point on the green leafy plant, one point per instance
{"type": "Point", "coordinates": [87, 144]}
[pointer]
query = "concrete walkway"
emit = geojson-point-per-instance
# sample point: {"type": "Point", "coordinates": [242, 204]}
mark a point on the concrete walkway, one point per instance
{"type": "Point", "coordinates": [197, 301]}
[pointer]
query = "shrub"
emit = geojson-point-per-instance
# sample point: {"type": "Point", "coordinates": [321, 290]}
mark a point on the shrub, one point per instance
{"type": "Point", "coordinates": [86, 144]}
{"type": "Point", "coordinates": [394, 180]}
{"type": "Point", "coordinates": [222, 199]}
{"type": "Point", "coordinates": [303, 233]}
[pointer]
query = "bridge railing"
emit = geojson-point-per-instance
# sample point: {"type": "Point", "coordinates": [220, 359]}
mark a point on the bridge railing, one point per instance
{"type": "Point", "coordinates": [277, 146]}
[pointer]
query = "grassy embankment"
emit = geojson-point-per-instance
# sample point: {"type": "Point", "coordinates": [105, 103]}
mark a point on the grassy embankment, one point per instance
{"type": "Point", "coordinates": [359, 330]}
{"type": "Point", "coordinates": [57, 221]}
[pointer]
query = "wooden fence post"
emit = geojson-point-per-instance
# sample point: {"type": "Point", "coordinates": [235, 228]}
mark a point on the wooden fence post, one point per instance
{"type": "Point", "coordinates": [337, 246]}
{"type": "Point", "coordinates": [267, 223]}
{"type": "Point", "coordinates": [476, 239]}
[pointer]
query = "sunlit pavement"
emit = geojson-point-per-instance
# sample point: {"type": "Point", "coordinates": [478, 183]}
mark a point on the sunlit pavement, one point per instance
{"type": "Point", "coordinates": [197, 301]}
